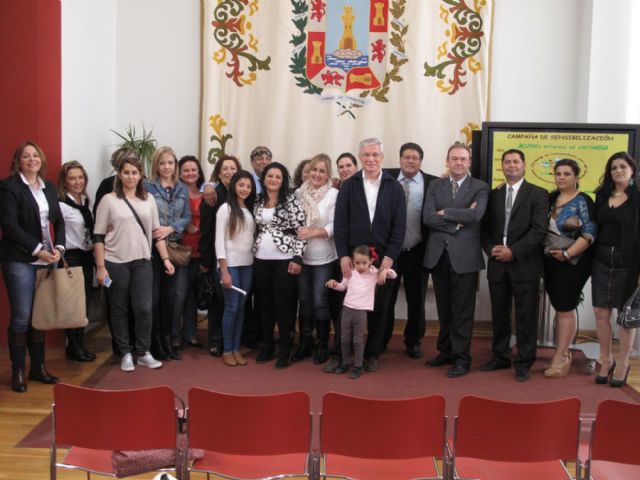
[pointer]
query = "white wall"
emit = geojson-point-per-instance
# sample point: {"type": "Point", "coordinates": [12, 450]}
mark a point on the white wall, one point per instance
{"type": "Point", "coordinates": [88, 84]}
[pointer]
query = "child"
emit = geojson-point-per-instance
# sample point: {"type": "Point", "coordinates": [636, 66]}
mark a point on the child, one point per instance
{"type": "Point", "coordinates": [361, 288]}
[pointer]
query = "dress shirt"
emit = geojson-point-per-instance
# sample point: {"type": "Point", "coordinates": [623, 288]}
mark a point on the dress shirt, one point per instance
{"type": "Point", "coordinates": [516, 186]}
{"type": "Point", "coordinates": [413, 232]}
{"type": "Point", "coordinates": [371, 190]}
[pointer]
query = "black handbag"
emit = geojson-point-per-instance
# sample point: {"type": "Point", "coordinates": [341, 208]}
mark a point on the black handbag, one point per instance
{"type": "Point", "coordinates": [629, 314]}
{"type": "Point", "coordinates": [205, 289]}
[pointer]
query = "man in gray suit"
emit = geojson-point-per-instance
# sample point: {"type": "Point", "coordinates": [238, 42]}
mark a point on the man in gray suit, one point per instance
{"type": "Point", "coordinates": [453, 211]}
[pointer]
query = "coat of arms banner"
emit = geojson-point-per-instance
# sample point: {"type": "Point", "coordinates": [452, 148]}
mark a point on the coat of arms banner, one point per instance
{"type": "Point", "coordinates": [316, 76]}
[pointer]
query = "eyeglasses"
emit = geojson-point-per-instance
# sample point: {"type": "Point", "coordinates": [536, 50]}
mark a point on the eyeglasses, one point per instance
{"type": "Point", "coordinates": [371, 155]}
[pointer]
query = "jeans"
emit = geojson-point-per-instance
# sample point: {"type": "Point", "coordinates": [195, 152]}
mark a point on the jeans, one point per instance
{"type": "Point", "coordinates": [20, 279]}
{"type": "Point", "coordinates": [314, 301]}
{"type": "Point", "coordinates": [131, 282]}
{"type": "Point", "coordinates": [233, 316]}
{"type": "Point", "coordinates": [184, 302]}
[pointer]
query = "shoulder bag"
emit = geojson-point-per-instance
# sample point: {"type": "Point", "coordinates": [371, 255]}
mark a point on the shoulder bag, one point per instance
{"type": "Point", "coordinates": [629, 314]}
{"type": "Point", "coordinates": [59, 300]}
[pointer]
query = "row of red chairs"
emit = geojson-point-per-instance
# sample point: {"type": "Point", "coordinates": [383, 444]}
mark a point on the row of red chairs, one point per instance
{"type": "Point", "coordinates": [270, 436]}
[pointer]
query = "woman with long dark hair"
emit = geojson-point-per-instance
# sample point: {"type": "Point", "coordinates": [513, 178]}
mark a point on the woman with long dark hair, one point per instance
{"type": "Point", "coordinates": [566, 270]}
{"type": "Point", "coordinates": [78, 220]}
{"type": "Point", "coordinates": [29, 212]}
{"type": "Point", "coordinates": [614, 275]}
{"type": "Point", "coordinates": [125, 224]}
{"type": "Point", "coordinates": [235, 233]}
{"type": "Point", "coordinates": [225, 168]}
{"type": "Point", "coordinates": [278, 260]}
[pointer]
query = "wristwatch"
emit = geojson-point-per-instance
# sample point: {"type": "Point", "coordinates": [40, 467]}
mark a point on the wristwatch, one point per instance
{"type": "Point", "coordinates": [566, 255]}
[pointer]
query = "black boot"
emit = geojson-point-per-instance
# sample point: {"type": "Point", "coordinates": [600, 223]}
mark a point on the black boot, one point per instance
{"type": "Point", "coordinates": [157, 348]}
{"type": "Point", "coordinates": [305, 350]}
{"type": "Point", "coordinates": [18, 353]}
{"type": "Point", "coordinates": [174, 352]}
{"type": "Point", "coordinates": [73, 351]}
{"type": "Point", "coordinates": [80, 335]}
{"type": "Point", "coordinates": [37, 370]}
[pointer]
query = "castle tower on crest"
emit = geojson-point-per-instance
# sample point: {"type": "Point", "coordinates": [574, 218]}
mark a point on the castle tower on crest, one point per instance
{"type": "Point", "coordinates": [347, 41]}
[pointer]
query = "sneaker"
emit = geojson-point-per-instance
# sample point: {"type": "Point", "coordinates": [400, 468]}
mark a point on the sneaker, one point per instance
{"type": "Point", "coordinates": [148, 361]}
{"type": "Point", "coordinates": [126, 364]}
{"type": "Point", "coordinates": [355, 373]}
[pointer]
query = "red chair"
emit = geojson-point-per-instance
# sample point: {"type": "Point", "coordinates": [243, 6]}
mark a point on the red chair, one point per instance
{"type": "Point", "coordinates": [94, 423]}
{"type": "Point", "coordinates": [615, 442]}
{"type": "Point", "coordinates": [382, 439]}
{"type": "Point", "coordinates": [250, 436]}
{"type": "Point", "coordinates": [529, 440]}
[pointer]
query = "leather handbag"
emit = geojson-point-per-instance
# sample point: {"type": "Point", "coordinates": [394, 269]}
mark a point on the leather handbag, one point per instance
{"type": "Point", "coordinates": [179, 254]}
{"type": "Point", "coordinates": [59, 300]}
{"type": "Point", "coordinates": [629, 314]}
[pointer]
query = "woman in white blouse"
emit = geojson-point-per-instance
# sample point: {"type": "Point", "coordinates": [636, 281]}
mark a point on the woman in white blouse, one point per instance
{"type": "Point", "coordinates": [78, 222]}
{"type": "Point", "coordinates": [125, 222]}
{"type": "Point", "coordinates": [318, 199]}
{"type": "Point", "coordinates": [235, 231]}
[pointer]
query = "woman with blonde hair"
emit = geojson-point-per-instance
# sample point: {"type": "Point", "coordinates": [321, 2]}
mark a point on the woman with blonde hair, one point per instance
{"type": "Point", "coordinates": [174, 212]}
{"type": "Point", "coordinates": [78, 220]}
{"type": "Point", "coordinates": [318, 200]}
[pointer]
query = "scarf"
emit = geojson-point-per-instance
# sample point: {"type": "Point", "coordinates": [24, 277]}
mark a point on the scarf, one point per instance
{"type": "Point", "coordinates": [85, 211]}
{"type": "Point", "coordinates": [310, 199]}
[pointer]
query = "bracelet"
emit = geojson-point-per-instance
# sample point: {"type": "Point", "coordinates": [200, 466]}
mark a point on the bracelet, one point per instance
{"type": "Point", "coordinates": [566, 255]}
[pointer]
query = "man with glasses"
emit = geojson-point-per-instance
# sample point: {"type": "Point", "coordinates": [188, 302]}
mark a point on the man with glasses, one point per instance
{"type": "Point", "coordinates": [260, 158]}
{"type": "Point", "coordinates": [371, 210]}
{"type": "Point", "coordinates": [409, 267]}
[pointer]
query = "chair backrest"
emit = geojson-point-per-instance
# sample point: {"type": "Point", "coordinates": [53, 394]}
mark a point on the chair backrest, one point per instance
{"type": "Point", "coordinates": [614, 434]}
{"type": "Point", "coordinates": [383, 429]}
{"type": "Point", "coordinates": [138, 419]}
{"type": "Point", "coordinates": [517, 432]}
{"type": "Point", "coordinates": [249, 424]}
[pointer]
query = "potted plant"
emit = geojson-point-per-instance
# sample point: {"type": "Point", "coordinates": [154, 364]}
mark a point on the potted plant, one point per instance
{"type": "Point", "coordinates": [144, 145]}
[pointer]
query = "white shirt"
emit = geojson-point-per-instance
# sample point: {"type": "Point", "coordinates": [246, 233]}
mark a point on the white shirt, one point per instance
{"type": "Point", "coordinates": [320, 251]}
{"type": "Point", "coordinates": [267, 249]}
{"type": "Point", "coordinates": [43, 210]}
{"type": "Point", "coordinates": [371, 190]}
{"type": "Point", "coordinates": [237, 251]}
{"type": "Point", "coordinates": [516, 186]}
{"type": "Point", "coordinates": [74, 227]}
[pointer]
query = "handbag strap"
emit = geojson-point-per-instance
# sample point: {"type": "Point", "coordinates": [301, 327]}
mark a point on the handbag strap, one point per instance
{"type": "Point", "coordinates": [135, 214]}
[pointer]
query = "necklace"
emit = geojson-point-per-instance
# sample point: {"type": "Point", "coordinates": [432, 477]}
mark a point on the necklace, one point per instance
{"type": "Point", "coordinates": [616, 194]}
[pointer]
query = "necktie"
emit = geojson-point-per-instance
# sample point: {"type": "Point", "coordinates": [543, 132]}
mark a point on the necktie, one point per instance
{"type": "Point", "coordinates": [454, 188]}
{"type": "Point", "coordinates": [405, 188]}
{"type": "Point", "coordinates": [507, 212]}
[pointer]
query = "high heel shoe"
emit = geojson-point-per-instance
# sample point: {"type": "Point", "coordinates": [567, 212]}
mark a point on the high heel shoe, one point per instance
{"type": "Point", "coordinates": [559, 368]}
{"type": "Point", "coordinates": [616, 382]}
{"type": "Point", "coordinates": [602, 379]}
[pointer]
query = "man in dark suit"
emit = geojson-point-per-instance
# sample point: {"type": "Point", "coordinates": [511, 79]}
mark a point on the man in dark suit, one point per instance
{"type": "Point", "coordinates": [453, 212]}
{"type": "Point", "coordinates": [409, 267]}
{"type": "Point", "coordinates": [513, 230]}
{"type": "Point", "coordinates": [370, 210]}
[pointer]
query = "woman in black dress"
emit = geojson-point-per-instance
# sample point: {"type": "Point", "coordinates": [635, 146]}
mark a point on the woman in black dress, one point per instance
{"type": "Point", "coordinates": [617, 261]}
{"type": "Point", "coordinates": [566, 270]}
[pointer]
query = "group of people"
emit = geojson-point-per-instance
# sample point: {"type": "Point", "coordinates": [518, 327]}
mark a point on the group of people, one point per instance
{"type": "Point", "coordinates": [280, 252]}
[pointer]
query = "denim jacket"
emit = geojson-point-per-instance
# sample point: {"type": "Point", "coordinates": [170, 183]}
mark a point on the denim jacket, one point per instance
{"type": "Point", "coordinates": [173, 207]}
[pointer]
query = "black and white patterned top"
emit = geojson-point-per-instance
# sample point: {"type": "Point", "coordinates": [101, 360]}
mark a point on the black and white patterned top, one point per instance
{"type": "Point", "coordinates": [288, 217]}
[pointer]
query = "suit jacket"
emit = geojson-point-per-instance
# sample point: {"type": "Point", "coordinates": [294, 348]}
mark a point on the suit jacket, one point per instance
{"type": "Point", "coordinates": [463, 244]}
{"type": "Point", "coordinates": [527, 228]}
{"type": "Point", "coordinates": [351, 224]}
{"type": "Point", "coordinates": [20, 220]}
{"type": "Point", "coordinates": [426, 180]}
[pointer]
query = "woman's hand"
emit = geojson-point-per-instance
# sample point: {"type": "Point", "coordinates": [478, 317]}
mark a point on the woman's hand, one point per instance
{"type": "Point", "coordinates": [161, 233]}
{"type": "Point", "coordinates": [191, 228]}
{"type": "Point", "coordinates": [557, 254]}
{"type": "Point", "coordinates": [294, 268]}
{"type": "Point", "coordinates": [101, 275]}
{"type": "Point", "coordinates": [49, 257]}
{"type": "Point", "coordinates": [225, 279]}
{"type": "Point", "coordinates": [169, 269]}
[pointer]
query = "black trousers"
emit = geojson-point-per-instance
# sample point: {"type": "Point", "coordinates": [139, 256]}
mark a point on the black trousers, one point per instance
{"type": "Point", "coordinates": [376, 321]}
{"type": "Point", "coordinates": [526, 296]}
{"type": "Point", "coordinates": [409, 267]}
{"type": "Point", "coordinates": [277, 292]}
{"type": "Point", "coordinates": [456, 303]}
